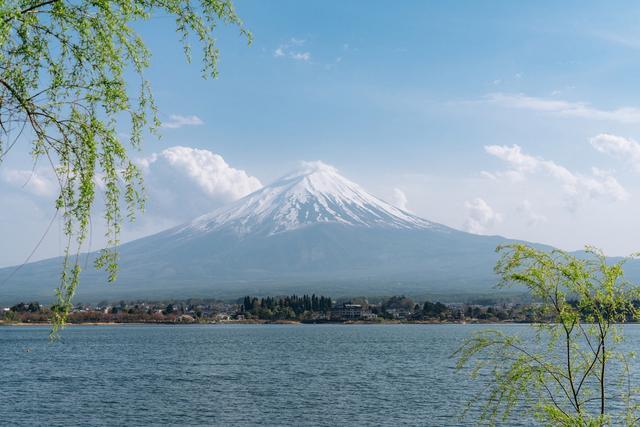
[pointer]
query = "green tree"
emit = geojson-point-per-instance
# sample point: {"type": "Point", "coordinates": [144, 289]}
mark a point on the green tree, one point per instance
{"type": "Point", "coordinates": [169, 309]}
{"type": "Point", "coordinates": [63, 88]}
{"type": "Point", "coordinates": [10, 316]}
{"type": "Point", "coordinates": [566, 372]}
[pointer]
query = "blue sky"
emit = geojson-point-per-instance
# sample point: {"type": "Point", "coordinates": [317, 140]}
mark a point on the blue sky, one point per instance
{"type": "Point", "coordinates": [420, 102]}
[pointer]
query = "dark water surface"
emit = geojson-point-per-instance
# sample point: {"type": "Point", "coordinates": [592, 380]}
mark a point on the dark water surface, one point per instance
{"type": "Point", "coordinates": [236, 375]}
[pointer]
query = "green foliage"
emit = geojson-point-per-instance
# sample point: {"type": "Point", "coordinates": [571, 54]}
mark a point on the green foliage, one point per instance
{"type": "Point", "coordinates": [398, 302]}
{"type": "Point", "coordinates": [567, 372]}
{"type": "Point", "coordinates": [433, 310]}
{"type": "Point", "coordinates": [286, 308]}
{"type": "Point", "coordinates": [31, 307]}
{"type": "Point", "coordinates": [169, 309]}
{"type": "Point", "coordinates": [10, 316]}
{"type": "Point", "coordinates": [63, 86]}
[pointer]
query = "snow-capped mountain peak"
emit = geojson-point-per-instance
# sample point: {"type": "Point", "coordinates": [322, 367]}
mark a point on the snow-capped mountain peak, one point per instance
{"type": "Point", "coordinates": [315, 193]}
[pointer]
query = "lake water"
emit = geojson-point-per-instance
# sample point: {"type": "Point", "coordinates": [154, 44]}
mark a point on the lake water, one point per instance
{"type": "Point", "coordinates": [236, 375]}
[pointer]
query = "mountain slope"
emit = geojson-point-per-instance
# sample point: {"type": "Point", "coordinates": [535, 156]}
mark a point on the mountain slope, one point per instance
{"type": "Point", "coordinates": [314, 194]}
{"type": "Point", "coordinates": [312, 230]}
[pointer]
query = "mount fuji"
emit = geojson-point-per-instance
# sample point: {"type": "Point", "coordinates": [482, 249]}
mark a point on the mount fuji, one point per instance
{"type": "Point", "coordinates": [314, 194]}
{"type": "Point", "coordinates": [310, 231]}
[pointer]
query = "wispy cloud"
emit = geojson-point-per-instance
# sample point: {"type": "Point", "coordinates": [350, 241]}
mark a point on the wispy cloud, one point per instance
{"type": "Point", "coordinates": [400, 199]}
{"type": "Point", "coordinates": [296, 42]}
{"type": "Point", "coordinates": [564, 108]}
{"type": "Point", "coordinates": [576, 186]}
{"type": "Point", "coordinates": [177, 121]}
{"type": "Point", "coordinates": [618, 147]}
{"type": "Point", "coordinates": [531, 217]}
{"type": "Point", "coordinates": [38, 183]}
{"type": "Point", "coordinates": [618, 39]}
{"type": "Point", "coordinates": [480, 216]}
{"type": "Point", "coordinates": [300, 56]}
{"type": "Point", "coordinates": [292, 49]}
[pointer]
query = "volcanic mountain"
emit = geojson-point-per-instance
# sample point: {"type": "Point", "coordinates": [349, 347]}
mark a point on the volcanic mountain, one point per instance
{"type": "Point", "coordinates": [310, 231]}
{"type": "Point", "coordinates": [315, 194]}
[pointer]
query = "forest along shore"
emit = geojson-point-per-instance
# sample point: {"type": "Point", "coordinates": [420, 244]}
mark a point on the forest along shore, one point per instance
{"type": "Point", "coordinates": [283, 309]}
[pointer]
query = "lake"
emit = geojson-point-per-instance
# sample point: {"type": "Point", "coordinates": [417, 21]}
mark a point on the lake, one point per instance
{"type": "Point", "coordinates": [237, 375]}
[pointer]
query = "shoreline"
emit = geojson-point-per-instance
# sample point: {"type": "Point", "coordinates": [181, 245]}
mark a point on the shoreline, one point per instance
{"type": "Point", "coordinates": [265, 322]}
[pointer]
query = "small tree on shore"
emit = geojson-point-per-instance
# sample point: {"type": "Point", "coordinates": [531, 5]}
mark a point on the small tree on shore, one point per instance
{"type": "Point", "coordinates": [571, 371]}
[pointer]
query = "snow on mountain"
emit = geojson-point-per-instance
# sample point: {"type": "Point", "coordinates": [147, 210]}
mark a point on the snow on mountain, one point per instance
{"type": "Point", "coordinates": [316, 193]}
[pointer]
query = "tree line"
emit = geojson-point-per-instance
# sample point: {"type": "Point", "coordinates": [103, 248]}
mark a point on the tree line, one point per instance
{"type": "Point", "coordinates": [285, 308]}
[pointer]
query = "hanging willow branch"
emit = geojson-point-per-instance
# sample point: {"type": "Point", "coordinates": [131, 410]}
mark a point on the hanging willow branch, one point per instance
{"type": "Point", "coordinates": [63, 86]}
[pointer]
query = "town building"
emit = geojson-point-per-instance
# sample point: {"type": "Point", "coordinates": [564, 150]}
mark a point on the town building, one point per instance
{"type": "Point", "coordinates": [351, 312]}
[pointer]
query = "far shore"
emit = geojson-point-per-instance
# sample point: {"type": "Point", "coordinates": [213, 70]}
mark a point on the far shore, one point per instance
{"type": "Point", "coordinates": [266, 322]}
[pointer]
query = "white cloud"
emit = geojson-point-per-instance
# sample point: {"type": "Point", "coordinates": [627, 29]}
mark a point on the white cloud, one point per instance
{"type": "Point", "coordinates": [183, 183]}
{"type": "Point", "coordinates": [622, 40]}
{"type": "Point", "coordinates": [564, 108]}
{"type": "Point", "coordinates": [177, 121]}
{"type": "Point", "coordinates": [296, 42]}
{"type": "Point", "coordinates": [618, 147]}
{"type": "Point", "coordinates": [514, 156]}
{"type": "Point", "coordinates": [399, 199]}
{"type": "Point", "coordinates": [38, 183]}
{"type": "Point", "coordinates": [480, 216]}
{"type": "Point", "coordinates": [300, 56]}
{"type": "Point", "coordinates": [289, 50]}
{"type": "Point", "coordinates": [310, 166]}
{"type": "Point", "coordinates": [489, 175]}
{"type": "Point", "coordinates": [600, 184]}
{"type": "Point", "coordinates": [531, 217]}
{"type": "Point", "coordinates": [209, 171]}
{"type": "Point", "coordinates": [509, 175]}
